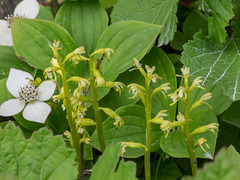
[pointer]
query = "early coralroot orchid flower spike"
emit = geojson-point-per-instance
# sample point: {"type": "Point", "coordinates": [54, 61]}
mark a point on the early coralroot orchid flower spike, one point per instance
{"type": "Point", "coordinates": [25, 9]}
{"type": "Point", "coordinates": [18, 85]}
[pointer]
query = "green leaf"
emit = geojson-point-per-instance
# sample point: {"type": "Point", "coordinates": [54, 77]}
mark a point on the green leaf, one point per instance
{"type": "Point", "coordinates": [167, 170]}
{"type": "Point", "coordinates": [174, 144]}
{"type": "Point", "coordinates": [162, 12]}
{"type": "Point", "coordinates": [42, 157]}
{"type": "Point", "coordinates": [106, 166]}
{"type": "Point", "coordinates": [194, 21]}
{"type": "Point", "coordinates": [232, 115]}
{"type": "Point", "coordinates": [85, 21]}
{"type": "Point", "coordinates": [215, 65]}
{"type": "Point", "coordinates": [129, 39]}
{"type": "Point", "coordinates": [220, 12]}
{"type": "Point", "coordinates": [8, 59]}
{"type": "Point", "coordinates": [134, 130]}
{"type": "Point", "coordinates": [31, 38]}
{"type": "Point", "coordinates": [225, 166]}
{"type": "Point", "coordinates": [178, 41]}
{"type": "Point", "coordinates": [45, 13]}
{"type": "Point", "coordinates": [107, 3]}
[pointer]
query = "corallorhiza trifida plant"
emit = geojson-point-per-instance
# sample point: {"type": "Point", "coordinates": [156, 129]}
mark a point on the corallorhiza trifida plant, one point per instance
{"type": "Point", "coordinates": [75, 103]}
{"type": "Point", "coordinates": [146, 95]}
{"type": "Point", "coordinates": [182, 94]}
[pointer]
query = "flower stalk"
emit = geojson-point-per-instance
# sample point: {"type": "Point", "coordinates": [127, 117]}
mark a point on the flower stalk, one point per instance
{"type": "Point", "coordinates": [72, 126]}
{"type": "Point", "coordinates": [95, 105]}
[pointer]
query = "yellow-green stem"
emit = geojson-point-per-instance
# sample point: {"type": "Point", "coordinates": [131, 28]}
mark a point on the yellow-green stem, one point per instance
{"type": "Point", "coordinates": [188, 138]}
{"type": "Point", "coordinates": [95, 105]}
{"type": "Point", "coordinates": [71, 123]}
{"type": "Point", "coordinates": [148, 104]}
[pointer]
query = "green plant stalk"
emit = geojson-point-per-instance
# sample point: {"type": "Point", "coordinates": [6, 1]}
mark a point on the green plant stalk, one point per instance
{"type": "Point", "coordinates": [188, 138]}
{"type": "Point", "coordinates": [68, 106]}
{"type": "Point", "coordinates": [148, 112]}
{"type": "Point", "coordinates": [95, 105]}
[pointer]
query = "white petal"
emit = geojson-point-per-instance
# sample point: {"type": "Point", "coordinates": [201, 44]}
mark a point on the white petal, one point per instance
{"type": "Point", "coordinates": [11, 107]}
{"type": "Point", "coordinates": [16, 80]}
{"type": "Point", "coordinates": [37, 111]}
{"type": "Point", "coordinates": [27, 9]}
{"type": "Point", "coordinates": [5, 34]}
{"type": "Point", "coordinates": [46, 90]}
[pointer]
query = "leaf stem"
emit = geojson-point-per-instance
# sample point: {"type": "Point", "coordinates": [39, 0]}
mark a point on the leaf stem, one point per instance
{"type": "Point", "coordinates": [95, 105]}
{"type": "Point", "coordinates": [71, 123]}
{"type": "Point", "coordinates": [188, 137]}
{"type": "Point", "coordinates": [148, 107]}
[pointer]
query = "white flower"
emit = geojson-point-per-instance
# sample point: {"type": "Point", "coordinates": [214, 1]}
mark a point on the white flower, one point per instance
{"type": "Point", "coordinates": [25, 9]}
{"type": "Point", "coordinates": [18, 85]}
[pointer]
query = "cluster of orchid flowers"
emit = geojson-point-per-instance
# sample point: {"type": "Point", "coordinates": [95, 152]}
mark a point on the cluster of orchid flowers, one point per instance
{"type": "Point", "coordinates": [79, 98]}
{"type": "Point", "coordinates": [181, 94]}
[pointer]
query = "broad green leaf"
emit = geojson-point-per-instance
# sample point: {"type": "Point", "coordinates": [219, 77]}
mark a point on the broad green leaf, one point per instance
{"type": "Point", "coordinates": [42, 157]}
{"type": "Point", "coordinates": [218, 102]}
{"type": "Point", "coordinates": [215, 65]}
{"type": "Point", "coordinates": [31, 38]}
{"type": "Point", "coordinates": [129, 39]}
{"type": "Point", "coordinates": [85, 21]}
{"type": "Point", "coordinates": [232, 115]}
{"type": "Point", "coordinates": [162, 12]}
{"type": "Point", "coordinates": [134, 130]}
{"type": "Point", "coordinates": [167, 170]}
{"type": "Point", "coordinates": [225, 166]}
{"type": "Point", "coordinates": [105, 168]}
{"type": "Point", "coordinates": [194, 21]}
{"type": "Point", "coordinates": [45, 13]}
{"type": "Point", "coordinates": [8, 59]}
{"type": "Point", "coordinates": [220, 12]}
{"type": "Point", "coordinates": [174, 144]}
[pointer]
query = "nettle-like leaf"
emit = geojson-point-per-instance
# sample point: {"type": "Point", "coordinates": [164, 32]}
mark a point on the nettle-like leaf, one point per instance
{"type": "Point", "coordinates": [225, 166]}
{"type": "Point", "coordinates": [85, 21]}
{"type": "Point", "coordinates": [31, 39]}
{"type": "Point", "coordinates": [220, 12]}
{"type": "Point", "coordinates": [105, 168]}
{"type": "Point", "coordinates": [162, 12]}
{"type": "Point", "coordinates": [174, 144]}
{"type": "Point", "coordinates": [215, 65]}
{"type": "Point", "coordinates": [42, 157]}
{"type": "Point", "coordinates": [134, 130]}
